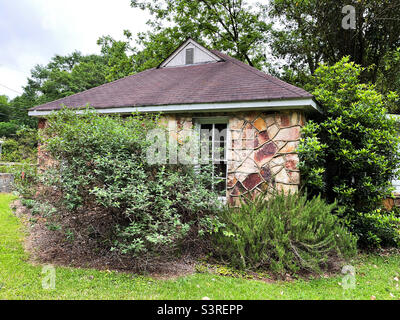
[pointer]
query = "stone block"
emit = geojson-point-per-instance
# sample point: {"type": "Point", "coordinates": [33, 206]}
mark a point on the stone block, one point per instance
{"type": "Point", "coordinates": [265, 153]}
{"type": "Point", "coordinates": [260, 124]}
{"type": "Point", "coordinates": [288, 134]}
{"type": "Point", "coordinates": [252, 181]}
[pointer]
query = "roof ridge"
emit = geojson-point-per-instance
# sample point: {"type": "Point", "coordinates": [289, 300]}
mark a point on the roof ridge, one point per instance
{"type": "Point", "coordinates": [261, 74]}
{"type": "Point", "coordinates": [87, 90]}
{"type": "Point", "coordinates": [189, 84]}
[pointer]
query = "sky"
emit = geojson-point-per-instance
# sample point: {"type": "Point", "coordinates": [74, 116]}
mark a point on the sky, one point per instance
{"type": "Point", "coordinates": [33, 31]}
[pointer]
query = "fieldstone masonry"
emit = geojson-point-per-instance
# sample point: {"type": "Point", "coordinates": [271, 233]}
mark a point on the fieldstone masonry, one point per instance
{"type": "Point", "coordinates": [263, 153]}
{"type": "Point", "coordinates": [261, 150]}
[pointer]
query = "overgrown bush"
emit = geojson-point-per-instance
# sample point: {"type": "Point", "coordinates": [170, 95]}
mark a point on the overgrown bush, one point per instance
{"type": "Point", "coordinates": [101, 168]}
{"type": "Point", "coordinates": [283, 233]}
{"type": "Point", "coordinates": [25, 179]}
{"type": "Point", "coordinates": [378, 227]}
{"type": "Point", "coordinates": [22, 147]}
{"type": "Point", "coordinates": [8, 129]}
{"type": "Point", "coordinates": [350, 153]}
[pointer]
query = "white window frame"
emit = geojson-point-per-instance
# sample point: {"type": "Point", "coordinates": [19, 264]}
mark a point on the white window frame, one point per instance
{"type": "Point", "coordinates": [216, 120]}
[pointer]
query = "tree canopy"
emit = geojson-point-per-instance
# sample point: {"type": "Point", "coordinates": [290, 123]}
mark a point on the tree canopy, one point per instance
{"type": "Point", "coordinates": [288, 38]}
{"type": "Point", "coordinates": [311, 31]}
{"type": "Point", "coordinates": [232, 26]}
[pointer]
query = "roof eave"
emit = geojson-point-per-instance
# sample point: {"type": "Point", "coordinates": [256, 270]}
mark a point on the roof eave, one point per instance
{"type": "Point", "coordinates": [307, 104]}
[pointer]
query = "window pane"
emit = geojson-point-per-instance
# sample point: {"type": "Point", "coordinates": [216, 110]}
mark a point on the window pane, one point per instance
{"type": "Point", "coordinates": [220, 133]}
{"type": "Point", "coordinates": [213, 137]}
{"type": "Point", "coordinates": [220, 175]}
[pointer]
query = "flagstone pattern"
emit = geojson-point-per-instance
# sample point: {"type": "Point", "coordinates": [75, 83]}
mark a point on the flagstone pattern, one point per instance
{"type": "Point", "coordinates": [261, 150]}
{"type": "Point", "coordinates": [263, 153]}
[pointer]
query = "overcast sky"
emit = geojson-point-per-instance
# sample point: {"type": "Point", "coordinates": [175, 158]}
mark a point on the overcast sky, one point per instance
{"type": "Point", "coordinates": [33, 31]}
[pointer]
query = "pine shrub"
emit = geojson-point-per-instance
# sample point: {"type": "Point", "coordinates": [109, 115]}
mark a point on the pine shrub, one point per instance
{"type": "Point", "coordinates": [283, 233]}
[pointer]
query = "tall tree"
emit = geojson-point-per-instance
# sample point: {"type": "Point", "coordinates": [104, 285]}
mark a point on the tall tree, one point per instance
{"type": "Point", "coordinates": [118, 55]}
{"type": "Point", "coordinates": [4, 108]}
{"type": "Point", "coordinates": [310, 31]}
{"type": "Point", "coordinates": [61, 77]}
{"type": "Point", "coordinates": [232, 26]}
{"type": "Point", "coordinates": [66, 75]}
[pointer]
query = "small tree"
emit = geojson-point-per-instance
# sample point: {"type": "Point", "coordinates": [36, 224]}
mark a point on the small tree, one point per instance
{"type": "Point", "coordinates": [350, 154]}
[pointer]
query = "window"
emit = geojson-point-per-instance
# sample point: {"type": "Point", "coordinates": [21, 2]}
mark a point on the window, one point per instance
{"type": "Point", "coordinates": [190, 56]}
{"type": "Point", "coordinates": [213, 144]}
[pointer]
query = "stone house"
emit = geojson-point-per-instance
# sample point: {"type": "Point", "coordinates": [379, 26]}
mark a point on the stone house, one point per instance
{"type": "Point", "coordinates": [199, 88]}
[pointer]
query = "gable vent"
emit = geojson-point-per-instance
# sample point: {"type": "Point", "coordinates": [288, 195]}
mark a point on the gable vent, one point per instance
{"type": "Point", "coordinates": [189, 56]}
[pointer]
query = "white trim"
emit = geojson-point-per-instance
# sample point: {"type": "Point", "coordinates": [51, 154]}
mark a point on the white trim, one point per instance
{"type": "Point", "coordinates": [198, 121]}
{"type": "Point", "coordinates": [183, 46]}
{"type": "Point", "coordinates": [304, 104]}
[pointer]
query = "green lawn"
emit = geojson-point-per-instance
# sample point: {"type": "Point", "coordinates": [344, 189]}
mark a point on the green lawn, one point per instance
{"type": "Point", "coordinates": [21, 280]}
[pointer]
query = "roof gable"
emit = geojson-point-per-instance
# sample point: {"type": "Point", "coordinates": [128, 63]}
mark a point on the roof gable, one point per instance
{"type": "Point", "coordinates": [199, 53]}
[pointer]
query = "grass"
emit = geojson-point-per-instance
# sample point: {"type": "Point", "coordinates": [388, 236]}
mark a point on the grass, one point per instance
{"type": "Point", "coordinates": [21, 280]}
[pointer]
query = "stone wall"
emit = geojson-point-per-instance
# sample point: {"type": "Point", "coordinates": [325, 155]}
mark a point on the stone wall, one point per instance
{"type": "Point", "coordinates": [44, 159]}
{"type": "Point", "coordinates": [263, 153]}
{"type": "Point", "coordinates": [261, 149]}
{"type": "Point", "coordinates": [6, 181]}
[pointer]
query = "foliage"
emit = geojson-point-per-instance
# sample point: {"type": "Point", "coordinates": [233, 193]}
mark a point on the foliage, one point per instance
{"type": "Point", "coordinates": [310, 32]}
{"type": "Point", "coordinates": [117, 53]}
{"type": "Point", "coordinates": [284, 233]}
{"type": "Point", "coordinates": [23, 148]}
{"type": "Point", "coordinates": [21, 279]}
{"type": "Point", "coordinates": [61, 77]}
{"type": "Point", "coordinates": [349, 153]}
{"type": "Point", "coordinates": [4, 108]}
{"type": "Point", "coordinates": [101, 165]}
{"type": "Point", "coordinates": [8, 123]}
{"type": "Point", "coordinates": [19, 106]}
{"type": "Point", "coordinates": [378, 227]}
{"type": "Point", "coordinates": [388, 78]}
{"type": "Point", "coordinates": [65, 75]}
{"type": "Point", "coordinates": [8, 129]}
{"type": "Point", "coordinates": [234, 27]}
{"type": "Point", "coordinates": [25, 179]}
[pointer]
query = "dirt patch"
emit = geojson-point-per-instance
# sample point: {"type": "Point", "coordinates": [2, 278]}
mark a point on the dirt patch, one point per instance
{"type": "Point", "coordinates": [47, 246]}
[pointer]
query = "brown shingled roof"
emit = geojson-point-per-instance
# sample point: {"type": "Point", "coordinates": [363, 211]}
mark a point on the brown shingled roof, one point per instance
{"type": "Point", "coordinates": [226, 81]}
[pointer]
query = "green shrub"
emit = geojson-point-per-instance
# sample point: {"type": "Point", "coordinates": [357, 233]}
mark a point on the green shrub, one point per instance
{"type": "Point", "coordinates": [29, 203]}
{"type": "Point", "coordinates": [378, 227]}
{"type": "Point", "coordinates": [101, 167]}
{"type": "Point", "coordinates": [350, 153]}
{"type": "Point", "coordinates": [22, 148]}
{"type": "Point", "coordinates": [25, 179]}
{"type": "Point", "coordinates": [283, 233]}
{"type": "Point", "coordinates": [9, 152]}
{"type": "Point", "coordinates": [8, 129]}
